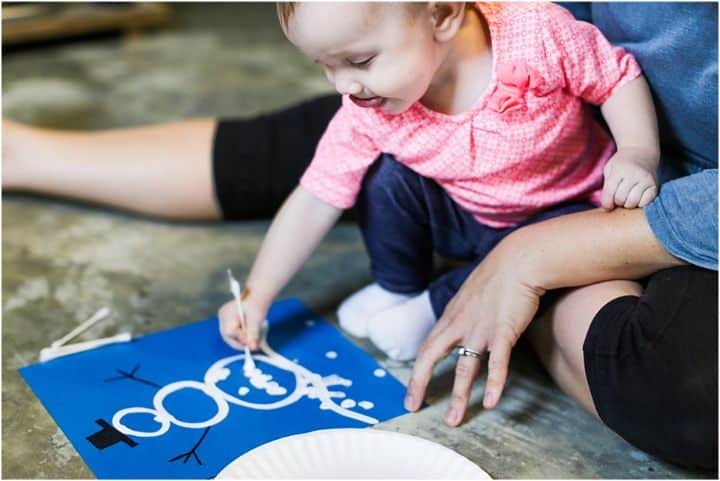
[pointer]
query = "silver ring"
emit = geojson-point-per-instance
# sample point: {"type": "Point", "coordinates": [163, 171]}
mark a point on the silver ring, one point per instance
{"type": "Point", "coordinates": [466, 351]}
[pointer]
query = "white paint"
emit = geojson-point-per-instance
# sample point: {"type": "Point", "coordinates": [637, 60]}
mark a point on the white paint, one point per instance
{"type": "Point", "coordinates": [222, 407]}
{"type": "Point", "coordinates": [335, 380]}
{"type": "Point", "coordinates": [307, 383]}
{"type": "Point", "coordinates": [249, 364]}
{"type": "Point", "coordinates": [379, 372]}
{"type": "Point", "coordinates": [263, 381]}
{"type": "Point", "coordinates": [309, 323]}
{"type": "Point", "coordinates": [331, 355]}
{"type": "Point", "coordinates": [117, 422]}
{"type": "Point", "coordinates": [323, 392]}
{"type": "Point", "coordinates": [366, 404]}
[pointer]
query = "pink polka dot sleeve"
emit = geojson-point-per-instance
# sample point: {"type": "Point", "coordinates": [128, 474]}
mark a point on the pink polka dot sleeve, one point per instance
{"type": "Point", "coordinates": [593, 68]}
{"type": "Point", "coordinates": [342, 157]}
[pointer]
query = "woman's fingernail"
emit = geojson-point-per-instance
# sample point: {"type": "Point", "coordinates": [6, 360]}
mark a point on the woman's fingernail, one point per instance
{"type": "Point", "coordinates": [409, 402]}
{"type": "Point", "coordinates": [489, 398]}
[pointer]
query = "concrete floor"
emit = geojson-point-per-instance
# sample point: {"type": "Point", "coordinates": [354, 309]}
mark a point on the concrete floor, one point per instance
{"type": "Point", "coordinates": [61, 261]}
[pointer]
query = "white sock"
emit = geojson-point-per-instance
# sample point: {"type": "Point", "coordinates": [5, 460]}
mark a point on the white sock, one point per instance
{"type": "Point", "coordinates": [400, 331]}
{"type": "Point", "coordinates": [355, 311]}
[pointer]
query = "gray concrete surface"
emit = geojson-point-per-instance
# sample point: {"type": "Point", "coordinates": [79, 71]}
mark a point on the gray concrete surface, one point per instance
{"type": "Point", "coordinates": [61, 261]}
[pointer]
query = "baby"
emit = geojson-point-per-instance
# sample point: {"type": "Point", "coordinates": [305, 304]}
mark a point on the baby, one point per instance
{"type": "Point", "coordinates": [460, 123]}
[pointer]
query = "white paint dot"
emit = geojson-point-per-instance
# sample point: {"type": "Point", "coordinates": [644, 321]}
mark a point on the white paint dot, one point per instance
{"type": "Point", "coordinates": [243, 390]}
{"type": "Point", "coordinates": [348, 403]}
{"type": "Point", "coordinates": [380, 372]}
{"type": "Point", "coordinates": [366, 404]}
{"type": "Point", "coordinates": [331, 355]}
{"type": "Point", "coordinates": [310, 323]}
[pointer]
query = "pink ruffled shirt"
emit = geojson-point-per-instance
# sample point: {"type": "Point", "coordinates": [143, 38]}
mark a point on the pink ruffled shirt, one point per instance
{"type": "Point", "coordinates": [530, 140]}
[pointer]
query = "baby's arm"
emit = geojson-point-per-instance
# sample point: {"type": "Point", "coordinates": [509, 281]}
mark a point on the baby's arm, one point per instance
{"type": "Point", "coordinates": [631, 174]}
{"type": "Point", "coordinates": [298, 227]}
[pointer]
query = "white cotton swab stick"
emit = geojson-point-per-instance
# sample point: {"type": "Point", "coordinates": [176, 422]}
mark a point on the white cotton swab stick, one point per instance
{"type": "Point", "coordinates": [56, 351]}
{"type": "Point", "coordinates": [101, 314]}
{"type": "Point", "coordinates": [249, 364]}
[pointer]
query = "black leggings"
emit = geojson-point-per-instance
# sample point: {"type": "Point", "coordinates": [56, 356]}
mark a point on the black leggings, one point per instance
{"type": "Point", "coordinates": [652, 366]}
{"type": "Point", "coordinates": [258, 161]}
{"type": "Point", "coordinates": [651, 362]}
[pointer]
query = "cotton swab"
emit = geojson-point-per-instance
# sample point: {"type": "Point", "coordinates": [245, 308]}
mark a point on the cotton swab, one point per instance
{"type": "Point", "coordinates": [98, 316]}
{"type": "Point", "coordinates": [56, 351]}
{"type": "Point", "coordinates": [249, 364]}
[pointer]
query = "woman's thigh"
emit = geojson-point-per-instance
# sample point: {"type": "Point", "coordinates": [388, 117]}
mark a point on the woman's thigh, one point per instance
{"type": "Point", "coordinates": [648, 365]}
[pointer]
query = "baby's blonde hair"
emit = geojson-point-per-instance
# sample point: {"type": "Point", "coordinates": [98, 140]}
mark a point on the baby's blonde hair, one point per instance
{"type": "Point", "coordinates": [285, 10]}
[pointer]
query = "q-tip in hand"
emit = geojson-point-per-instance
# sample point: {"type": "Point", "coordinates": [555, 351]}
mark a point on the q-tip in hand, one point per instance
{"type": "Point", "coordinates": [236, 291]}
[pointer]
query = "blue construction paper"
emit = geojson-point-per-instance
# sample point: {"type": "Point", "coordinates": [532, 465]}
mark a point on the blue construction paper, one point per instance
{"type": "Point", "coordinates": [196, 435]}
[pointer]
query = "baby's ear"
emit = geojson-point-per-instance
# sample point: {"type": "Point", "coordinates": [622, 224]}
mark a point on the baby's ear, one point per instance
{"type": "Point", "coordinates": [446, 19]}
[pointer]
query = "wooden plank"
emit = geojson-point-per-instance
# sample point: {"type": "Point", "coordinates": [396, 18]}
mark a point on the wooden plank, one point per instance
{"type": "Point", "coordinates": [21, 26]}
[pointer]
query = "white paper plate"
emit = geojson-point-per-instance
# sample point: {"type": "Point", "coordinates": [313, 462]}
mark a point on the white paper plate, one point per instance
{"type": "Point", "coordinates": [352, 454]}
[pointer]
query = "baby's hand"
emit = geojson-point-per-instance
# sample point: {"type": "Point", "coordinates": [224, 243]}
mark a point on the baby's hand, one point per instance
{"type": "Point", "coordinates": [231, 325]}
{"type": "Point", "coordinates": [630, 179]}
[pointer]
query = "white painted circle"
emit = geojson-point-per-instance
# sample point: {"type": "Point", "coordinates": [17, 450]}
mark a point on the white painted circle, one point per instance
{"type": "Point", "coordinates": [380, 372]}
{"type": "Point", "coordinates": [162, 420]}
{"type": "Point", "coordinates": [331, 355]}
{"type": "Point", "coordinates": [298, 393]}
{"type": "Point", "coordinates": [214, 394]}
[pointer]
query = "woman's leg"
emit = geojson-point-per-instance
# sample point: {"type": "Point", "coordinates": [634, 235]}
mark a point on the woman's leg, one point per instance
{"type": "Point", "coordinates": [644, 363]}
{"type": "Point", "coordinates": [193, 169]}
{"type": "Point", "coordinates": [161, 170]}
{"type": "Point", "coordinates": [558, 334]}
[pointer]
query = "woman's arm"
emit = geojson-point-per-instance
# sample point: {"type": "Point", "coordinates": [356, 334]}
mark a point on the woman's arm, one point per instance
{"type": "Point", "coordinates": [500, 298]}
{"type": "Point", "coordinates": [588, 247]}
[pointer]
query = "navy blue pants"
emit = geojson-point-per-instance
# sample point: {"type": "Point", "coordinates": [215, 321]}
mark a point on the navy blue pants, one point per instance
{"type": "Point", "coordinates": [404, 217]}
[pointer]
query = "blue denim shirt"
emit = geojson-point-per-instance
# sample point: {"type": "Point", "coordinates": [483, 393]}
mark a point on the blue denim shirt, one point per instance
{"type": "Point", "coordinates": [676, 46]}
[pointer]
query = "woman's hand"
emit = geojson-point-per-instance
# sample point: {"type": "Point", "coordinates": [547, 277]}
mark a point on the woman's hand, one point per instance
{"type": "Point", "coordinates": [500, 298]}
{"type": "Point", "coordinates": [489, 313]}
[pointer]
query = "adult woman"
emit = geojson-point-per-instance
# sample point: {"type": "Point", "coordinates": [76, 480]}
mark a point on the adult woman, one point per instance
{"type": "Point", "coordinates": [634, 355]}
{"type": "Point", "coordinates": [642, 357]}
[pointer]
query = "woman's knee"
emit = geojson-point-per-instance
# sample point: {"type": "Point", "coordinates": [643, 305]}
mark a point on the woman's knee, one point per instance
{"type": "Point", "coordinates": [574, 311]}
{"type": "Point", "coordinates": [559, 333]}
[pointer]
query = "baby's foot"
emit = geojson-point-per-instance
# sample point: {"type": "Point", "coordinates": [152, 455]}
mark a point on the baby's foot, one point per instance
{"type": "Point", "coordinates": [400, 331]}
{"type": "Point", "coordinates": [355, 311]}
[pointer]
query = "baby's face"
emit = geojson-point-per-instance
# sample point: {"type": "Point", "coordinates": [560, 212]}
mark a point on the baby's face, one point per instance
{"type": "Point", "coordinates": [383, 55]}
